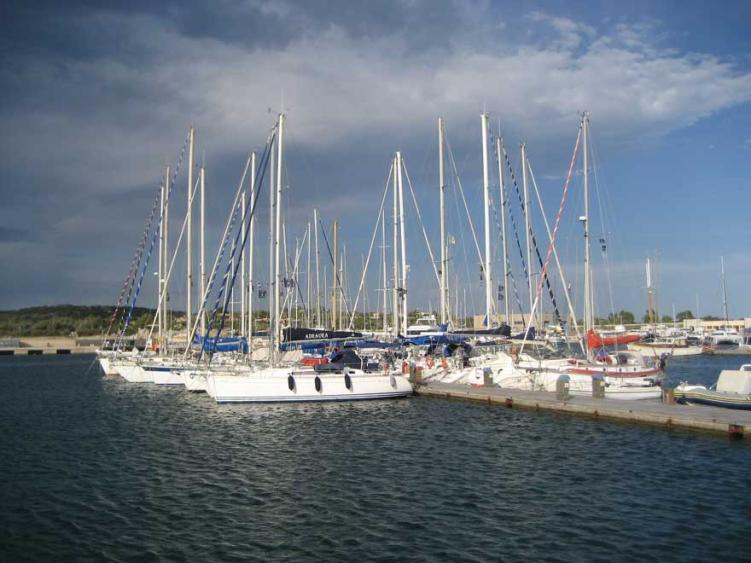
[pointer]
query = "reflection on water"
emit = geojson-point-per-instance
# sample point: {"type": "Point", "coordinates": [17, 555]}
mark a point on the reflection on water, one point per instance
{"type": "Point", "coordinates": [95, 468]}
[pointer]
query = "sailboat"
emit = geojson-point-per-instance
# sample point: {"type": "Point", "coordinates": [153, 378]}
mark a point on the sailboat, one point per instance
{"type": "Point", "coordinates": [619, 366]}
{"type": "Point", "coordinates": [276, 382]}
{"type": "Point", "coordinates": [627, 375]}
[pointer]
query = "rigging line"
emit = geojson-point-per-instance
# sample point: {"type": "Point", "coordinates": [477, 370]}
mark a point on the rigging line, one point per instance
{"type": "Point", "coordinates": [419, 219]}
{"type": "Point", "coordinates": [219, 255]}
{"type": "Point", "coordinates": [505, 205]}
{"type": "Point", "coordinates": [331, 256]}
{"type": "Point", "coordinates": [132, 269]}
{"type": "Point", "coordinates": [163, 293]}
{"type": "Point", "coordinates": [461, 191]}
{"type": "Point", "coordinates": [603, 247]}
{"type": "Point", "coordinates": [222, 247]}
{"type": "Point", "coordinates": [547, 279]}
{"type": "Point", "coordinates": [469, 277]}
{"type": "Point", "coordinates": [534, 241]}
{"type": "Point", "coordinates": [370, 249]}
{"type": "Point", "coordinates": [294, 275]}
{"type": "Point", "coordinates": [249, 214]}
{"type": "Point", "coordinates": [156, 232]}
{"type": "Point", "coordinates": [555, 252]}
{"type": "Point", "coordinates": [514, 228]}
{"type": "Point", "coordinates": [126, 318]}
{"type": "Point", "coordinates": [135, 262]}
{"type": "Point", "coordinates": [495, 254]}
{"type": "Point", "coordinates": [538, 292]}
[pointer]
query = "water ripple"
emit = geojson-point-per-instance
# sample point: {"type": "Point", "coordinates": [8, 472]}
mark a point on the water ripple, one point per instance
{"type": "Point", "coordinates": [95, 469]}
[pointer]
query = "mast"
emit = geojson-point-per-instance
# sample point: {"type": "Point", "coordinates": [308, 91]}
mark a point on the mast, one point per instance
{"type": "Point", "coordinates": [189, 259]}
{"type": "Point", "coordinates": [307, 279]}
{"type": "Point", "coordinates": [384, 270]}
{"type": "Point", "coordinates": [243, 234]}
{"type": "Point", "coordinates": [295, 278]}
{"type": "Point", "coordinates": [405, 311]}
{"type": "Point", "coordinates": [395, 304]}
{"type": "Point", "coordinates": [285, 279]}
{"type": "Point", "coordinates": [272, 249]}
{"type": "Point", "coordinates": [343, 285]}
{"type": "Point", "coordinates": [162, 259]}
{"type": "Point", "coordinates": [724, 290]}
{"type": "Point", "coordinates": [165, 289]}
{"type": "Point", "coordinates": [441, 196]}
{"type": "Point", "coordinates": [502, 192]}
{"type": "Point", "coordinates": [277, 288]}
{"type": "Point", "coordinates": [528, 237]}
{"type": "Point", "coordinates": [650, 294]}
{"type": "Point", "coordinates": [334, 277]}
{"type": "Point", "coordinates": [251, 249]}
{"type": "Point", "coordinates": [318, 279]}
{"type": "Point", "coordinates": [486, 208]}
{"type": "Point", "coordinates": [588, 312]}
{"type": "Point", "coordinates": [202, 265]}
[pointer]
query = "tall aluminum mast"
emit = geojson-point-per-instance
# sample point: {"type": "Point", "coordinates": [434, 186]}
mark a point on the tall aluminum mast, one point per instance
{"type": "Point", "coordinates": [441, 196]}
{"type": "Point", "coordinates": [486, 207]}
{"type": "Point", "coordinates": [405, 311]}
{"type": "Point", "coordinates": [189, 259]}
{"type": "Point", "coordinates": [502, 192]}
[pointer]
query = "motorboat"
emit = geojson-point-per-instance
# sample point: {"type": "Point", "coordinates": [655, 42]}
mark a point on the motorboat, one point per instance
{"type": "Point", "coordinates": [723, 337]}
{"type": "Point", "coordinates": [423, 325]}
{"type": "Point", "coordinates": [732, 390]}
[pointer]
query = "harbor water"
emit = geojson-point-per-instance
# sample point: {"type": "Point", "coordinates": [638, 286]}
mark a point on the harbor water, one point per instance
{"type": "Point", "coordinates": [96, 469]}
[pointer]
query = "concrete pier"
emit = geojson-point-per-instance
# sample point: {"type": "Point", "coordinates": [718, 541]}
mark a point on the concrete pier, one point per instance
{"type": "Point", "coordinates": [38, 345]}
{"type": "Point", "coordinates": [47, 350]}
{"type": "Point", "coordinates": [736, 423]}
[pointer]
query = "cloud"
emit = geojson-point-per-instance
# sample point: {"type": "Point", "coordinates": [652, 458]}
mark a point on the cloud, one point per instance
{"type": "Point", "coordinates": [92, 125]}
{"type": "Point", "coordinates": [569, 33]}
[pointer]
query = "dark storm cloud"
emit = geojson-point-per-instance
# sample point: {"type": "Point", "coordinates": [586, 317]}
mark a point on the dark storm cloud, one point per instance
{"type": "Point", "coordinates": [10, 234]}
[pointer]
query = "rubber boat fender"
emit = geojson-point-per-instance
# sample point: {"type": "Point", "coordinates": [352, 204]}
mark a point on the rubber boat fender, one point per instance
{"type": "Point", "coordinates": [318, 384]}
{"type": "Point", "coordinates": [392, 380]}
{"type": "Point", "coordinates": [291, 382]}
{"type": "Point", "coordinates": [348, 381]}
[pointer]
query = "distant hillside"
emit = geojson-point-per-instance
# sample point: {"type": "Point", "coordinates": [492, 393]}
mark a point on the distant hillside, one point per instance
{"type": "Point", "coordinates": [62, 320]}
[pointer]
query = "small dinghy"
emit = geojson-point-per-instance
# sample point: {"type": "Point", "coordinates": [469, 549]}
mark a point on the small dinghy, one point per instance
{"type": "Point", "coordinates": [732, 390]}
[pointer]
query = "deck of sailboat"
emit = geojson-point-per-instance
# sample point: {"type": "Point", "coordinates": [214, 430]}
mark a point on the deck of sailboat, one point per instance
{"type": "Point", "coordinates": [669, 416]}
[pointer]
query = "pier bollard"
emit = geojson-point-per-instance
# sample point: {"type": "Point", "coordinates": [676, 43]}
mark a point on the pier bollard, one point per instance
{"type": "Point", "coordinates": [598, 386]}
{"type": "Point", "coordinates": [562, 385]}
{"type": "Point", "coordinates": [415, 375]}
{"type": "Point", "coordinates": [487, 377]}
{"type": "Point", "coordinates": [668, 396]}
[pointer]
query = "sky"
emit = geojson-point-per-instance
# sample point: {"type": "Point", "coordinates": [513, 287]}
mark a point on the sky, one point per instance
{"type": "Point", "coordinates": [97, 97]}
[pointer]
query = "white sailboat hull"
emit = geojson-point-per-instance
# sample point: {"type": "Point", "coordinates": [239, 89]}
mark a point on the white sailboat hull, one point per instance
{"type": "Point", "coordinates": [167, 377]}
{"type": "Point", "coordinates": [132, 372]}
{"type": "Point", "coordinates": [106, 365]}
{"type": "Point", "coordinates": [194, 381]}
{"type": "Point", "coordinates": [278, 385]}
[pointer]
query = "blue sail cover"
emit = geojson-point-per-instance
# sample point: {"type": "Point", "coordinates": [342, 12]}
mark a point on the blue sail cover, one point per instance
{"type": "Point", "coordinates": [320, 346]}
{"type": "Point", "coordinates": [222, 344]}
{"type": "Point", "coordinates": [428, 339]}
